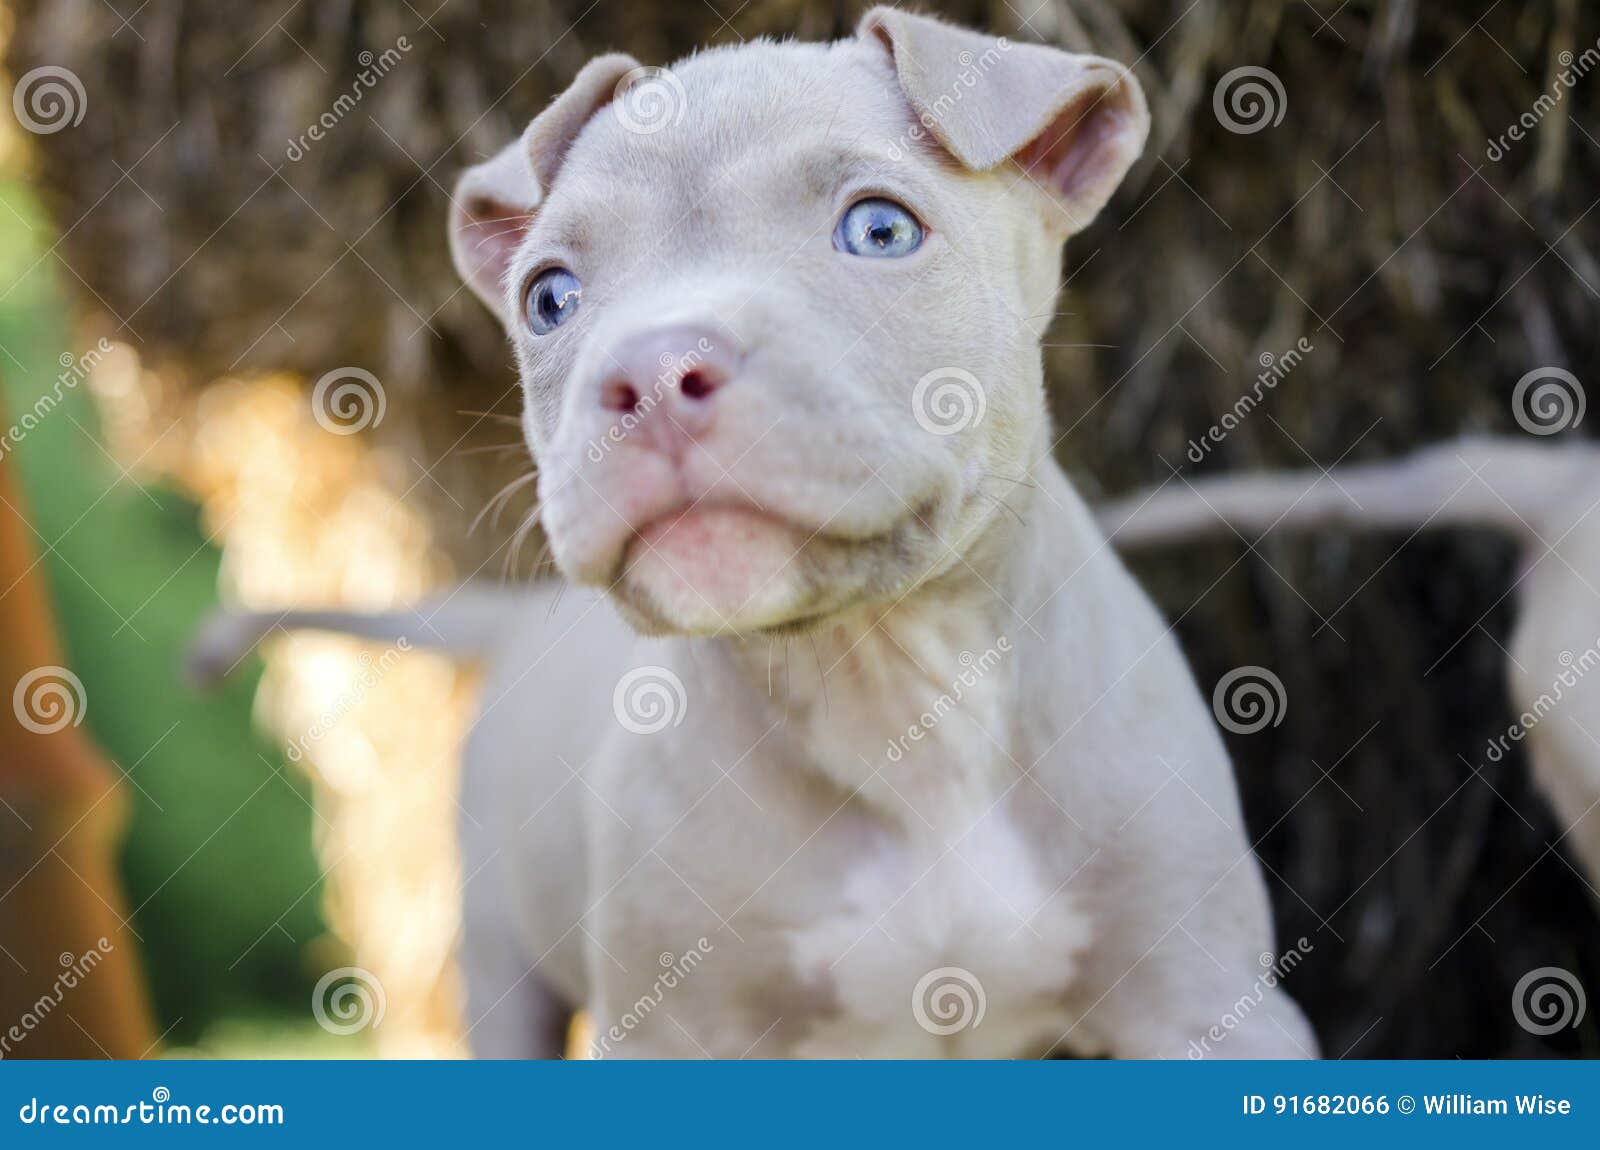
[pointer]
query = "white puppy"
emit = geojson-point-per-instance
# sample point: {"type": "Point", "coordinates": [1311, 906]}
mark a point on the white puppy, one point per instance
{"type": "Point", "coordinates": [1545, 496]}
{"type": "Point", "coordinates": [892, 758]}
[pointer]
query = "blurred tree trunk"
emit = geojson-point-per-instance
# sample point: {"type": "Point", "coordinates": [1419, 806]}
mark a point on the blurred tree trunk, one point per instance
{"type": "Point", "coordinates": [71, 987]}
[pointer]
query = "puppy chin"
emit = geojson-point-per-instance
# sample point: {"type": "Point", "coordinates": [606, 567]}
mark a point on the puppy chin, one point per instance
{"type": "Point", "coordinates": [713, 570]}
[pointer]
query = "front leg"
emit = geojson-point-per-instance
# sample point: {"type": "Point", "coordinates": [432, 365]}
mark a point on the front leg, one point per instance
{"type": "Point", "coordinates": [683, 948]}
{"type": "Point", "coordinates": [658, 961]}
{"type": "Point", "coordinates": [634, 1030]}
{"type": "Point", "coordinates": [660, 989]}
{"type": "Point", "coordinates": [1208, 984]}
{"type": "Point", "coordinates": [1161, 1010]}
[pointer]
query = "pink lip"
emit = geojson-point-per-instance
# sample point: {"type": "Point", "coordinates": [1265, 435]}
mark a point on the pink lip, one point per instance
{"type": "Point", "coordinates": [687, 516]}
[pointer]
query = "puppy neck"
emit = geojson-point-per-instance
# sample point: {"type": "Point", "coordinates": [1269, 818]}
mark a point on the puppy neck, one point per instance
{"type": "Point", "coordinates": [910, 705]}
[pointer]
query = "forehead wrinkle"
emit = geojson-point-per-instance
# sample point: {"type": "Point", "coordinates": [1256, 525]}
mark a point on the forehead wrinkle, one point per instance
{"type": "Point", "coordinates": [569, 222]}
{"type": "Point", "coordinates": [571, 232]}
{"type": "Point", "coordinates": [817, 170]}
{"type": "Point", "coordinates": [761, 140]}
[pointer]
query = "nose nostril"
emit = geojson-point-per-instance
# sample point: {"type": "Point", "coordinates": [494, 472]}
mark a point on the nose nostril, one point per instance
{"type": "Point", "coordinates": [619, 395]}
{"type": "Point", "coordinates": [697, 384]}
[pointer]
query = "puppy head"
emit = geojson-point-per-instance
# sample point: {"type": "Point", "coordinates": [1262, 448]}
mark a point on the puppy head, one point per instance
{"type": "Point", "coordinates": [777, 309]}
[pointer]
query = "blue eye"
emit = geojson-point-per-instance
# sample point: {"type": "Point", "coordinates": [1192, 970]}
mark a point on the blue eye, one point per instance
{"type": "Point", "coordinates": [551, 300]}
{"type": "Point", "coordinates": [880, 229]}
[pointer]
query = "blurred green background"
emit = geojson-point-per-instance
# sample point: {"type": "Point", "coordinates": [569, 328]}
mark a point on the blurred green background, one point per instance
{"type": "Point", "coordinates": [223, 886]}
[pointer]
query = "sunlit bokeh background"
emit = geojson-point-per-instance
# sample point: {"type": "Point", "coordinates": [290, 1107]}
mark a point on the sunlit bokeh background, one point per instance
{"type": "Point", "coordinates": [249, 873]}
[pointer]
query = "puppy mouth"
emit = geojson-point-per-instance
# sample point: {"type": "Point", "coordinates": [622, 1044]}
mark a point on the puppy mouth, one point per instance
{"type": "Point", "coordinates": [726, 528]}
{"type": "Point", "coordinates": [712, 539]}
{"type": "Point", "coordinates": [715, 562]}
{"type": "Point", "coordinates": [695, 516]}
{"type": "Point", "coordinates": [711, 566]}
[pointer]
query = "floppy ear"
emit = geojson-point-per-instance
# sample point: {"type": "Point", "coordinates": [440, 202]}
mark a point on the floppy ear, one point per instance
{"type": "Point", "coordinates": [1074, 123]}
{"type": "Point", "coordinates": [494, 202]}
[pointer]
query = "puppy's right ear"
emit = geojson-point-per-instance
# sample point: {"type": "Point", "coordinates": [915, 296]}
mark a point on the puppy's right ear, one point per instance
{"type": "Point", "coordinates": [494, 202]}
{"type": "Point", "coordinates": [1075, 124]}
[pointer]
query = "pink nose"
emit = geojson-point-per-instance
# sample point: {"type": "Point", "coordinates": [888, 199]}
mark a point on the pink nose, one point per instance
{"type": "Point", "coordinates": [662, 384]}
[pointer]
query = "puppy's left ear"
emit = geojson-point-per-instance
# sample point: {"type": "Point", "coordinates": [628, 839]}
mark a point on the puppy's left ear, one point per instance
{"type": "Point", "coordinates": [494, 202]}
{"type": "Point", "coordinates": [1075, 124]}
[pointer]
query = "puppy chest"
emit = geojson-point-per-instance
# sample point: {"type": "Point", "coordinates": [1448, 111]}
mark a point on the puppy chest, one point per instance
{"type": "Point", "coordinates": [964, 947]}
